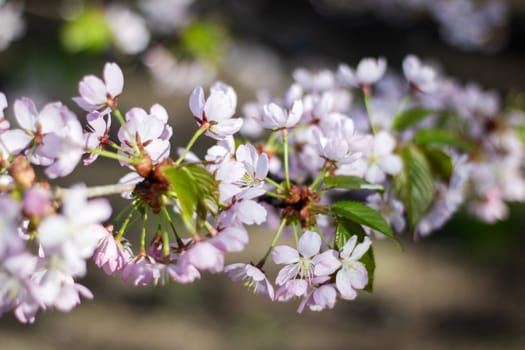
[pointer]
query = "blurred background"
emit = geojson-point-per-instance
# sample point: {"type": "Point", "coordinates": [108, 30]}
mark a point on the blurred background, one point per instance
{"type": "Point", "coordinates": [460, 288]}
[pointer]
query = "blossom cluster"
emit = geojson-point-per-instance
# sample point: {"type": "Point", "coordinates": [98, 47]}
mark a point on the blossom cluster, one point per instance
{"type": "Point", "coordinates": [409, 150]}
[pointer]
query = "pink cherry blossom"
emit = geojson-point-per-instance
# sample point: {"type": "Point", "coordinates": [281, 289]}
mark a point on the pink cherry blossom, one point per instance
{"type": "Point", "coordinates": [205, 256]}
{"type": "Point", "coordinates": [97, 137]}
{"type": "Point", "coordinates": [98, 95]}
{"type": "Point", "coordinates": [37, 201]}
{"type": "Point", "coordinates": [256, 165]}
{"type": "Point", "coordinates": [110, 255]}
{"type": "Point", "coordinates": [320, 298]}
{"type": "Point", "coordinates": [368, 72]}
{"type": "Point", "coordinates": [151, 130]}
{"type": "Point", "coordinates": [143, 269]}
{"type": "Point", "coordinates": [421, 77]}
{"type": "Point", "coordinates": [73, 235]}
{"type": "Point", "coordinates": [275, 117]}
{"type": "Point", "coordinates": [253, 278]}
{"type": "Point", "coordinates": [305, 262]}
{"type": "Point", "coordinates": [353, 274]}
{"type": "Point", "coordinates": [216, 112]}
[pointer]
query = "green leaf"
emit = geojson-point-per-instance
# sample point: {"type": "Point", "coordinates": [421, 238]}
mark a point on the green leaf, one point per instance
{"type": "Point", "coordinates": [183, 187]}
{"type": "Point", "coordinates": [196, 189]}
{"type": "Point", "coordinates": [440, 137]}
{"type": "Point", "coordinates": [440, 163]}
{"type": "Point", "coordinates": [414, 185]}
{"type": "Point", "coordinates": [204, 40]}
{"type": "Point", "coordinates": [345, 230]}
{"type": "Point", "coordinates": [350, 183]}
{"type": "Point", "coordinates": [520, 130]}
{"type": "Point", "coordinates": [363, 215]}
{"type": "Point", "coordinates": [208, 190]}
{"type": "Point", "coordinates": [88, 32]}
{"type": "Point", "coordinates": [368, 259]}
{"type": "Point", "coordinates": [407, 118]}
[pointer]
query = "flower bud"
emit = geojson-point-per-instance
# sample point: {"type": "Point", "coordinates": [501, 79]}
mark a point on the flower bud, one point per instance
{"type": "Point", "coordinates": [22, 172]}
{"type": "Point", "coordinates": [145, 166]}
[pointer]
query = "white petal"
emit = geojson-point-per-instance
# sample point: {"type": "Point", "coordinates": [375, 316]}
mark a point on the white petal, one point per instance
{"type": "Point", "coordinates": [92, 90]}
{"type": "Point", "coordinates": [342, 281]}
{"type": "Point", "coordinates": [348, 247]}
{"type": "Point", "coordinates": [114, 79]}
{"type": "Point", "coordinates": [26, 113]}
{"type": "Point", "coordinates": [251, 212]}
{"type": "Point", "coordinates": [358, 276]}
{"type": "Point", "coordinates": [197, 102]}
{"type": "Point", "coordinates": [361, 249]}
{"type": "Point", "coordinates": [218, 107]}
{"type": "Point", "coordinates": [309, 244]}
{"type": "Point", "coordinates": [283, 254]}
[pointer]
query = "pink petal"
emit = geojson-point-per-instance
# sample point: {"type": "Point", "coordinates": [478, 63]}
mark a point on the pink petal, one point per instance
{"type": "Point", "coordinates": [26, 113]}
{"type": "Point", "coordinates": [92, 90]}
{"type": "Point", "coordinates": [114, 79]}
{"type": "Point", "coordinates": [361, 249]}
{"type": "Point", "coordinates": [309, 244]}
{"type": "Point", "coordinates": [197, 102]}
{"type": "Point", "coordinates": [218, 107]}
{"type": "Point", "coordinates": [344, 286]}
{"type": "Point", "coordinates": [284, 254]}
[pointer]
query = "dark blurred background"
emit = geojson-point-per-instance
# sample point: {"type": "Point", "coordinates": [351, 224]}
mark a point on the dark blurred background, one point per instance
{"type": "Point", "coordinates": [461, 288]}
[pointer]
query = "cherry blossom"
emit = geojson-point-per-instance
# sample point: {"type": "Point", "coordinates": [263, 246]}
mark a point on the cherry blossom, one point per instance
{"type": "Point", "coordinates": [421, 77]}
{"type": "Point", "coordinates": [216, 112]}
{"type": "Point", "coordinates": [253, 278]}
{"type": "Point", "coordinates": [368, 72]}
{"type": "Point", "coordinates": [98, 95]}
{"type": "Point", "coordinates": [353, 274]}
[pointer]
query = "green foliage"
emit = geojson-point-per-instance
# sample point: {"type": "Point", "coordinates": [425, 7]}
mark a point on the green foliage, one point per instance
{"type": "Point", "coordinates": [345, 230]}
{"type": "Point", "coordinates": [196, 190]}
{"type": "Point", "coordinates": [414, 185]}
{"type": "Point", "coordinates": [88, 32]}
{"type": "Point", "coordinates": [440, 137]}
{"type": "Point", "coordinates": [364, 215]}
{"type": "Point", "coordinates": [204, 40]}
{"type": "Point", "coordinates": [410, 117]}
{"type": "Point", "coordinates": [350, 183]}
{"type": "Point", "coordinates": [441, 164]}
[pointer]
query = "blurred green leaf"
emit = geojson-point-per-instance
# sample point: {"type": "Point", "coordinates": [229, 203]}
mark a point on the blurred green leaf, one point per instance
{"type": "Point", "coordinates": [440, 163]}
{"type": "Point", "coordinates": [88, 32]}
{"type": "Point", "coordinates": [410, 117]}
{"type": "Point", "coordinates": [350, 183]}
{"type": "Point", "coordinates": [440, 137]}
{"type": "Point", "coordinates": [204, 40]}
{"type": "Point", "coordinates": [414, 185]}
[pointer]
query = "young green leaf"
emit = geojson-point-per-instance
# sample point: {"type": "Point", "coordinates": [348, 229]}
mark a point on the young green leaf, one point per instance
{"type": "Point", "coordinates": [183, 187]}
{"type": "Point", "coordinates": [196, 190]}
{"type": "Point", "coordinates": [414, 185]}
{"type": "Point", "coordinates": [363, 215]}
{"type": "Point", "coordinates": [407, 118]}
{"type": "Point", "coordinates": [351, 183]}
